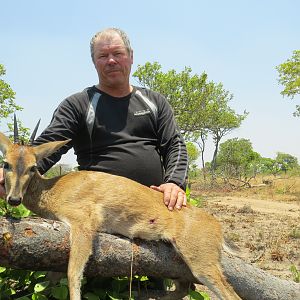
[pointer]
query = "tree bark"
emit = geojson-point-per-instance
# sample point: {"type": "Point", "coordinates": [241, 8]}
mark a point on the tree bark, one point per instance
{"type": "Point", "coordinates": [39, 244]}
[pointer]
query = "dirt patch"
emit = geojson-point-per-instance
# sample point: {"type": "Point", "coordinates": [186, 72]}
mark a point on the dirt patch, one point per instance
{"type": "Point", "coordinates": [280, 209]}
{"type": "Point", "coordinates": [267, 232]}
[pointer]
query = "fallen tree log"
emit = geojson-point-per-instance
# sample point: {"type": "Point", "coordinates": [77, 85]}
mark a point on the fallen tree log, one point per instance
{"type": "Point", "coordinates": [39, 244]}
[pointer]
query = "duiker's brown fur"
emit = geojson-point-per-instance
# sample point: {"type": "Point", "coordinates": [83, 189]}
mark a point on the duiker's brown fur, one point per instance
{"type": "Point", "coordinates": [88, 201]}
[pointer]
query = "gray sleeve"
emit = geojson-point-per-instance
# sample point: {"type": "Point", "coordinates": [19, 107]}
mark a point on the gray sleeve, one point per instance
{"type": "Point", "coordinates": [172, 147]}
{"type": "Point", "coordinates": [64, 125]}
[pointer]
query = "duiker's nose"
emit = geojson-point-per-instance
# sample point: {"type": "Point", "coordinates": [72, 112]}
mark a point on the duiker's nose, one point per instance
{"type": "Point", "coordinates": [14, 201]}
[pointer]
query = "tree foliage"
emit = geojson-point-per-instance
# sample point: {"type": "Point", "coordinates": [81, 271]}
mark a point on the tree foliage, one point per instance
{"type": "Point", "coordinates": [282, 163]}
{"type": "Point", "coordinates": [289, 77]}
{"type": "Point", "coordinates": [193, 154]}
{"type": "Point", "coordinates": [268, 166]}
{"type": "Point", "coordinates": [237, 160]}
{"type": "Point", "coordinates": [200, 106]}
{"type": "Point", "coordinates": [7, 97]}
{"type": "Point", "coordinates": [9, 106]}
{"type": "Point", "coordinates": [222, 119]}
{"type": "Point", "coordinates": [285, 162]}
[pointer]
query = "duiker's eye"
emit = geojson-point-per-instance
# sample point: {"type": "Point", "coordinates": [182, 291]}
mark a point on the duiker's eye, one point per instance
{"type": "Point", "coordinates": [6, 165]}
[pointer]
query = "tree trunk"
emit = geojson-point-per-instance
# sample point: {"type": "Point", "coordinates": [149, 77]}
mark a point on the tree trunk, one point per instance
{"type": "Point", "coordinates": [202, 149]}
{"type": "Point", "coordinates": [39, 244]}
{"type": "Point", "coordinates": [214, 160]}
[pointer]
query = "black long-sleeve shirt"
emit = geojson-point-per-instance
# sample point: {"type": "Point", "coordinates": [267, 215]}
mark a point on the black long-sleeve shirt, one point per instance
{"type": "Point", "coordinates": [133, 136]}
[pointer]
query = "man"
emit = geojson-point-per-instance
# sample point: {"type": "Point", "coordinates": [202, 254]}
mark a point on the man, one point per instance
{"type": "Point", "coordinates": [118, 128]}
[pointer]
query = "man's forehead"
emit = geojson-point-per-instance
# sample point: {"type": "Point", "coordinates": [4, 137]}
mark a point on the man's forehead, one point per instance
{"type": "Point", "coordinates": [110, 41]}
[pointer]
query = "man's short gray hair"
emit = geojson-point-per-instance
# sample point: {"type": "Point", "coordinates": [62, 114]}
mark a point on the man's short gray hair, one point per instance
{"type": "Point", "coordinates": [109, 32]}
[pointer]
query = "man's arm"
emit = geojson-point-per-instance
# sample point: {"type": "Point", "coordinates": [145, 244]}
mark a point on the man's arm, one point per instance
{"type": "Point", "coordinates": [63, 126]}
{"type": "Point", "coordinates": [174, 155]}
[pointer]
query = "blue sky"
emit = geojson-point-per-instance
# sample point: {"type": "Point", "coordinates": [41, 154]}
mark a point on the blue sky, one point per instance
{"type": "Point", "coordinates": [45, 49]}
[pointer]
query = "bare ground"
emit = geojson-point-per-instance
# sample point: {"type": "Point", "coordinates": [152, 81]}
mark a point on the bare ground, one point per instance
{"type": "Point", "coordinates": [267, 232]}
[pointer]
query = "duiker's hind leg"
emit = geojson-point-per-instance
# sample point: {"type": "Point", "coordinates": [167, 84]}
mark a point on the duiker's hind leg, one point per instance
{"type": "Point", "coordinates": [81, 249]}
{"type": "Point", "coordinates": [202, 255]}
{"type": "Point", "coordinates": [216, 282]}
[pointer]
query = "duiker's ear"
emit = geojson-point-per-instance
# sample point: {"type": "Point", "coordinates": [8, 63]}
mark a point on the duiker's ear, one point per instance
{"type": "Point", "coordinates": [47, 149]}
{"type": "Point", "coordinates": [4, 143]}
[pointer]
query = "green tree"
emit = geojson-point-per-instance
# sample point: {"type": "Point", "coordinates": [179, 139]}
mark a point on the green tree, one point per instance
{"type": "Point", "coordinates": [200, 137]}
{"type": "Point", "coordinates": [237, 160]}
{"type": "Point", "coordinates": [7, 97]}
{"type": "Point", "coordinates": [222, 119]}
{"type": "Point", "coordinates": [193, 154]}
{"type": "Point", "coordinates": [289, 77]}
{"type": "Point", "coordinates": [9, 106]}
{"type": "Point", "coordinates": [268, 166]}
{"type": "Point", "coordinates": [286, 162]}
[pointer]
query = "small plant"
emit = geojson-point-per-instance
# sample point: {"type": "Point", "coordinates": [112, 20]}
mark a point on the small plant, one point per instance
{"type": "Point", "coordinates": [295, 233]}
{"type": "Point", "coordinates": [22, 284]}
{"type": "Point", "coordinates": [296, 273]}
{"type": "Point", "coordinates": [246, 209]}
{"type": "Point", "coordinates": [198, 201]}
{"type": "Point", "coordinates": [234, 237]}
{"type": "Point", "coordinates": [14, 212]}
{"type": "Point", "coordinates": [280, 191]}
{"type": "Point", "coordinates": [195, 295]}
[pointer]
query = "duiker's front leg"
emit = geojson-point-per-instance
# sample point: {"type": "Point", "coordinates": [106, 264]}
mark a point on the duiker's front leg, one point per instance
{"type": "Point", "coordinates": [81, 249]}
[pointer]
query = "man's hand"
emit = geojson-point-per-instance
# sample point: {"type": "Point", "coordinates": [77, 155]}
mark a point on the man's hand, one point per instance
{"type": "Point", "coordinates": [2, 188]}
{"type": "Point", "coordinates": [174, 196]}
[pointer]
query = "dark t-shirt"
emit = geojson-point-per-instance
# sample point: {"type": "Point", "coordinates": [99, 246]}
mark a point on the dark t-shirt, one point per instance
{"type": "Point", "coordinates": [133, 136]}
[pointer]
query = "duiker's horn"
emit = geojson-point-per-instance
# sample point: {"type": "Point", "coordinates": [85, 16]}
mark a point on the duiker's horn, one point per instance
{"type": "Point", "coordinates": [16, 132]}
{"type": "Point", "coordinates": [31, 140]}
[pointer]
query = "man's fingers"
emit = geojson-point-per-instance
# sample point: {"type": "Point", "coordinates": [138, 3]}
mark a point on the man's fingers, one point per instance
{"type": "Point", "coordinates": [167, 196]}
{"type": "Point", "coordinates": [174, 196]}
{"type": "Point", "coordinates": [156, 188]}
{"type": "Point", "coordinates": [173, 199]}
{"type": "Point", "coordinates": [180, 200]}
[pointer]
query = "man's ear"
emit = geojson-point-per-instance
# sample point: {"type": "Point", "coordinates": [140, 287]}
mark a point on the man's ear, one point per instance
{"type": "Point", "coordinates": [44, 150]}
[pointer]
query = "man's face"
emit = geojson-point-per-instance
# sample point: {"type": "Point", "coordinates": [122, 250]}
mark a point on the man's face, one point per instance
{"type": "Point", "coordinates": [112, 61]}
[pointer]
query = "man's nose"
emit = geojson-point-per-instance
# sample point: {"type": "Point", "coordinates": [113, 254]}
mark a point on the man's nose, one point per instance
{"type": "Point", "coordinates": [111, 59]}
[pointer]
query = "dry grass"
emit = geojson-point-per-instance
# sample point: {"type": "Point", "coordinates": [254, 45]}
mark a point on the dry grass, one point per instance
{"type": "Point", "coordinates": [285, 188]}
{"type": "Point", "coordinates": [281, 188]}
